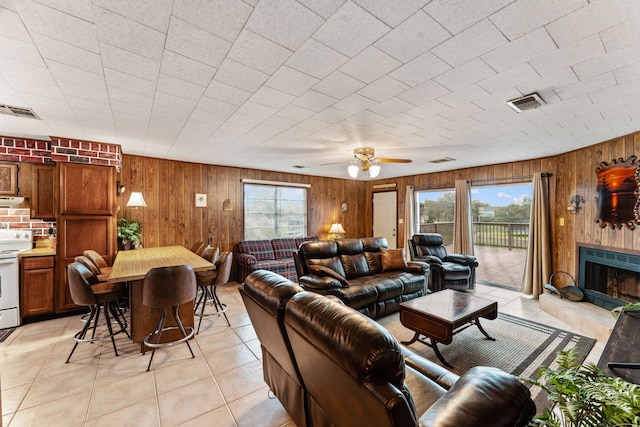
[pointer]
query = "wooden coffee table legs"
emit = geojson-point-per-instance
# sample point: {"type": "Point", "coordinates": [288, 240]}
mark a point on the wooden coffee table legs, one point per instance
{"type": "Point", "coordinates": [433, 343]}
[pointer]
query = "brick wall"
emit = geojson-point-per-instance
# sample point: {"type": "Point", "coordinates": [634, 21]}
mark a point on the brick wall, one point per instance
{"type": "Point", "coordinates": [20, 218]}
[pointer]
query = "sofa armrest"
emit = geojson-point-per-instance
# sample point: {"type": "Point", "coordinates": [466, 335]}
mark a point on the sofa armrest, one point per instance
{"type": "Point", "coordinates": [483, 396]}
{"type": "Point", "coordinates": [436, 373]}
{"type": "Point", "coordinates": [247, 259]}
{"type": "Point", "coordinates": [469, 260]}
{"type": "Point", "coordinates": [315, 282]}
{"type": "Point", "coordinates": [418, 267]}
{"type": "Point", "coordinates": [429, 259]}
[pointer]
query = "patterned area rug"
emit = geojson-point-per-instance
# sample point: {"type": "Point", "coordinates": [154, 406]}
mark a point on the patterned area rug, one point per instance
{"type": "Point", "coordinates": [4, 333]}
{"type": "Point", "coordinates": [520, 348]}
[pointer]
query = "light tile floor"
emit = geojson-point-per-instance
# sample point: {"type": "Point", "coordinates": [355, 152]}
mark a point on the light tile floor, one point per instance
{"type": "Point", "coordinates": [221, 386]}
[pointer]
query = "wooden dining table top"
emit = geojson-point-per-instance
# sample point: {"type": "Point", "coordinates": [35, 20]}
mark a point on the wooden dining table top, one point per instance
{"type": "Point", "coordinates": [134, 264]}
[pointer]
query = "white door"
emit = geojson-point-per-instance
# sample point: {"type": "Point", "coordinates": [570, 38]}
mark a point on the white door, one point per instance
{"type": "Point", "coordinates": [384, 217]}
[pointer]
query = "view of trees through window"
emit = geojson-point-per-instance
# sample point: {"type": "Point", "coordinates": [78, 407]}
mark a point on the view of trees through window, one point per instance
{"type": "Point", "coordinates": [274, 211]}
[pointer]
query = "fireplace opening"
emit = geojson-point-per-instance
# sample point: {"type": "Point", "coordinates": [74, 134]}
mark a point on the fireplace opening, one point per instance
{"type": "Point", "coordinates": [608, 278]}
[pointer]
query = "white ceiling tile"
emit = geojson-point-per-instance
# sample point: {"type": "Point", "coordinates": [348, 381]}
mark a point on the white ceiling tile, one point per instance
{"type": "Point", "coordinates": [428, 109]}
{"type": "Point", "coordinates": [313, 124]}
{"type": "Point", "coordinates": [187, 69]}
{"type": "Point", "coordinates": [524, 16]}
{"type": "Point", "coordinates": [256, 110]}
{"type": "Point", "coordinates": [293, 112]}
{"type": "Point", "coordinates": [224, 18]}
{"type": "Point", "coordinates": [179, 103]}
{"type": "Point", "coordinates": [332, 115]}
{"type": "Point", "coordinates": [499, 97]}
{"type": "Point", "coordinates": [586, 86]}
{"type": "Point", "coordinates": [84, 92]}
{"type": "Point", "coordinates": [24, 85]}
{"type": "Point", "coordinates": [468, 94]}
{"type": "Point", "coordinates": [286, 22]}
{"type": "Point", "coordinates": [9, 67]}
{"type": "Point", "coordinates": [240, 76]}
{"type": "Point", "coordinates": [338, 85]}
{"type": "Point", "coordinates": [190, 41]}
{"type": "Point", "coordinates": [550, 81]}
{"type": "Point", "coordinates": [350, 30]}
{"type": "Point", "coordinates": [216, 106]}
{"type": "Point", "coordinates": [64, 72]}
{"type": "Point", "coordinates": [125, 112]}
{"type": "Point", "coordinates": [354, 103]}
{"type": "Point", "coordinates": [314, 101]}
{"type": "Point", "coordinates": [117, 79]}
{"type": "Point", "coordinates": [518, 52]}
{"type": "Point", "coordinates": [366, 118]}
{"type": "Point", "coordinates": [11, 26]}
{"type": "Point", "coordinates": [566, 56]}
{"type": "Point", "coordinates": [245, 120]}
{"type": "Point", "coordinates": [152, 13]}
{"type": "Point", "coordinates": [424, 93]}
{"type": "Point", "coordinates": [129, 35]}
{"type": "Point", "coordinates": [423, 68]}
{"type": "Point", "coordinates": [464, 75]}
{"type": "Point", "coordinates": [181, 88]}
{"type": "Point", "coordinates": [316, 59]}
{"type": "Point", "coordinates": [324, 8]}
{"type": "Point", "coordinates": [272, 98]}
{"type": "Point", "coordinates": [370, 65]}
{"type": "Point", "coordinates": [20, 51]}
{"type": "Point", "coordinates": [130, 63]}
{"type": "Point", "coordinates": [168, 112]}
{"type": "Point", "coordinates": [391, 107]}
{"type": "Point", "coordinates": [508, 79]}
{"type": "Point", "coordinates": [124, 95]}
{"type": "Point", "coordinates": [383, 89]}
{"type": "Point", "coordinates": [603, 63]}
{"type": "Point", "coordinates": [392, 13]}
{"type": "Point", "coordinates": [413, 37]}
{"type": "Point", "coordinates": [623, 36]}
{"type": "Point", "coordinates": [258, 53]}
{"type": "Point", "coordinates": [627, 74]}
{"type": "Point", "coordinates": [460, 112]}
{"type": "Point", "coordinates": [226, 93]}
{"type": "Point", "coordinates": [279, 122]}
{"type": "Point", "coordinates": [79, 8]}
{"type": "Point", "coordinates": [457, 15]}
{"type": "Point", "coordinates": [481, 38]}
{"type": "Point", "coordinates": [291, 81]}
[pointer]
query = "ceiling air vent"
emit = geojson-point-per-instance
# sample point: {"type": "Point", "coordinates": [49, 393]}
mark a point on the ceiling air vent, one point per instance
{"type": "Point", "coordinates": [18, 111]}
{"type": "Point", "coordinates": [527, 102]}
{"type": "Point", "coordinates": [442, 160]}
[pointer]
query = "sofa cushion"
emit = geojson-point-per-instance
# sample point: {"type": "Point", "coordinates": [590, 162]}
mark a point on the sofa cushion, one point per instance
{"type": "Point", "coordinates": [261, 249]}
{"type": "Point", "coordinates": [357, 297]}
{"type": "Point", "coordinates": [393, 260]}
{"type": "Point", "coordinates": [355, 265]}
{"type": "Point", "coordinates": [372, 246]}
{"type": "Point", "coordinates": [283, 248]}
{"type": "Point", "coordinates": [388, 285]}
{"type": "Point", "coordinates": [300, 240]}
{"type": "Point", "coordinates": [323, 271]}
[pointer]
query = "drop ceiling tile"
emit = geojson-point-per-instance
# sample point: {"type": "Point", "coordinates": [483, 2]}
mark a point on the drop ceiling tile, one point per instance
{"type": "Point", "coordinates": [354, 103]}
{"type": "Point", "coordinates": [314, 101]}
{"type": "Point", "coordinates": [429, 109]}
{"type": "Point", "coordinates": [316, 59]}
{"type": "Point", "coordinates": [423, 68]}
{"type": "Point", "coordinates": [11, 26]}
{"type": "Point", "coordinates": [464, 75]}
{"type": "Point", "coordinates": [413, 37]}
{"type": "Point", "coordinates": [398, 120]}
{"type": "Point", "coordinates": [58, 25]}
{"type": "Point", "coordinates": [279, 122]}
{"type": "Point", "coordinates": [125, 95]}
{"type": "Point", "coordinates": [285, 22]}
{"type": "Point", "coordinates": [424, 93]}
{"type": "Point", "coordinates": [627, 74]}
{"type": "Point", "coordinates": [187, 69]}
{"type": "Point", "coordinates": [129, 35]}
{"type": "Point", "coordinates": [86, 107]}
{"type": "Point", "coordinates": [64, 72]}
{"type": "Point", "coordinates": [586, 86]}
{"type": "Point", "coordinates": [244, 120]}
{"type": "Point", "coordinates": [291, 81]}
{"type": "Point", "coordinates": [460, 112]}
{"type": "Point", "coordinates": [366, 118]}
{"type": "Point", "coordinates": [567, 56]}
{"type": "Point", "coordinates": [550, 81]}
{"type": "Point", "coordinates": [166, 112]}
{"type": "Point", "coordinates": [518, 52]}
{"type": "Point", "coordinates": [224, 18]}
{"type": "Point", "coordinates": [216, 106]}
{"type": "Point", "coordinates": [338, 85]}
{"type": "Point", "coordinates": [370, 65]}
{"type": "Point", "coordinates": [509, 78]}
{"type": "Point", "coordinates": [24, 85]}
{"type": "Point", "coordinates": [117, 79]}
{"type": "Point", "coordinates": [392, 13]}
{"type": "Point", "coordinates": [497, 98]}
{"type": "Point", "coordinates": [313, 124]}
{"type": "Point", "coordinates": [623, 36]}
{"type": "Point", "coordinates": [151, 13]}
{"type": "Point", "coordinates": [477, 40]}
{"type": "Point", "coordinates": [324, 8]}
{"type": "Point", "coordinates": [468, 94]}
{"type": "Point", "coordinates": [524, 16]}
{"type": "Point", "coordinates": [181, 88]}
{"type": "Point", "coordinates": [20, 51]}
{"type": "Point", "coordinates": [256, 110]}
{"type": "Point", "coordinates": [125, 112]}
{"type": "Point", "coordinates": [332, 115]}
{"type": "Point", "coordinates": [174, 101]}
{"type": "Point", "coordinates": [606, 62]}
{"type": "Point", "coordinates": [391, 107]}
{"type": "Point", "coordinates": [350, 30]}
{"type": "Point", "coordinates": [293, 112]}
{"type": "Point", "coordinates": [272, 98]}
{"type": "Point", "coordinates": [258, 52]}
{"type": "Point", "coordinates": [240, 76]}
{"type": "Point", "coordinates": [9, 67]}
{"type": "Point", "coordinates": [458, 15]}
{"type": "Point", "coordinates": [190, 41]}
{"type": "Point", "coordinates": [84, 92]}
{"type": "Point", "coordinates": [226, 93]}
{"type": "Point", "coordinates": [383, 88]}
{"type": "Point", "coordinates": [130, 63]}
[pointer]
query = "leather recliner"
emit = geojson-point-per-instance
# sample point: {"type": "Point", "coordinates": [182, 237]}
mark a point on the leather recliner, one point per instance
{"type": "Point", "coordinates": [352, 371]}
{"type": "Point", "coordinates": [448, 271]}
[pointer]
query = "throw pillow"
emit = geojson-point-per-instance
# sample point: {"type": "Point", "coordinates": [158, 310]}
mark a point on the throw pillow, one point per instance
{"type": "Point", "coordinates": [321, 270]}
{"type": "Point", "coordinates": [393, 259]}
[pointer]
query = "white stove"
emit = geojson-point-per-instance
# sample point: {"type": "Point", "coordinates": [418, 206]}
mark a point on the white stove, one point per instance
{"type": "Point", "coordinates": [12, 242]}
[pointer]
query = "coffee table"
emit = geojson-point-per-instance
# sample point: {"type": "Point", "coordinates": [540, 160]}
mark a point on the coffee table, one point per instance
{"type": "Point", "coordinates": [441, 315]}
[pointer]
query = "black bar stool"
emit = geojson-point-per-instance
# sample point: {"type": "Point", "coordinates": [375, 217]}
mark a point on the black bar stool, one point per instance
{"type": "Point", "coordinates": [165, 287]}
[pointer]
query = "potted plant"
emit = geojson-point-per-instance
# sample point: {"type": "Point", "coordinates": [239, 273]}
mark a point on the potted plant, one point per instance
{"type": "Point", "coordinates": [584, 395]}
{"type": "Point", "coordinates": [129, 233]}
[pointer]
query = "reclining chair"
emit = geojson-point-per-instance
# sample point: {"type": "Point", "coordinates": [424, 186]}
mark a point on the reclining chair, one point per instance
{"type": "Point", "coordinates": [454, 271]}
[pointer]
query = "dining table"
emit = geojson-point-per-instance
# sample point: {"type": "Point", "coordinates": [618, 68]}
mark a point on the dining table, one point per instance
{"type": "Point", "coordinates": [132, 266]}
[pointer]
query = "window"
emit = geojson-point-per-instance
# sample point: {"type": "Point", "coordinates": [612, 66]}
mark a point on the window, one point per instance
{"type": "Point", "coordinates": [436, 212]}
{"type": "Point", "coordinates": [272, 211]}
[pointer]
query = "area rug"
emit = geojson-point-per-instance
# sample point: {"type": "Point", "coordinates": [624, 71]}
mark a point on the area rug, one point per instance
{"type": "Point", "coordinates": [520, 348]}
{"type": "Point", "coordinates": [4, 333]}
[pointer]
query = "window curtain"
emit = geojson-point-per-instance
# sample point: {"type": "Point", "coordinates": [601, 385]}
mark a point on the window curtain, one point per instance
{"type": "Point", "coordinates": [538, 265]}
{"type": "Point", "coordinates": [463, 222]}
{"type": "Point", "coordinates": [409, 218]}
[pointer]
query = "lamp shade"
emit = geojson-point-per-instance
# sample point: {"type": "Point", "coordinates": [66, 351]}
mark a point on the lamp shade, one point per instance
{"type": "Point", "coordinates": [353, 170]}
{"type": "Point", "coordinates": [374, 170]}
{"type": "Point", "coordinates": [136, 200]}
{"type": "Point", "coordinates": [337, 229]}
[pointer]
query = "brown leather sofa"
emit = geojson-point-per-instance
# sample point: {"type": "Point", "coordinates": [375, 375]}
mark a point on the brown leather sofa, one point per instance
{"type": "Point", "coordinates": [361, 272]}
{"type": "Point", "coordinates": [330, 365]}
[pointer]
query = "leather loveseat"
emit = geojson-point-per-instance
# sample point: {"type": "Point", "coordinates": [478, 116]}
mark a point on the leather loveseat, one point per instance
{"type": "Point", "coordinates": [329, 365]}
{"type": "Point", "coordinates": [362, 273]}
{"type": "Point", "coordinates": [274, 255]}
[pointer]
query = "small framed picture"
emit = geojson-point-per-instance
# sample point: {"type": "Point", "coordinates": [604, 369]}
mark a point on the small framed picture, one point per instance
{"type": "Point", "coordinates": [201, 200]}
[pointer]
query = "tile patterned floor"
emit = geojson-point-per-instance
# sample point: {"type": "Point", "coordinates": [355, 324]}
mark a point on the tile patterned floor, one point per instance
{"type": "Point", "coordinates": [222, 386]}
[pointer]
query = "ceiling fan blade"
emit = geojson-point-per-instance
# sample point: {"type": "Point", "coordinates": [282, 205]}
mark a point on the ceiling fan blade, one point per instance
{"type": "Point", "coordinates": [383, 160]}
{"type": "Point", "coordinates": [335, 163]}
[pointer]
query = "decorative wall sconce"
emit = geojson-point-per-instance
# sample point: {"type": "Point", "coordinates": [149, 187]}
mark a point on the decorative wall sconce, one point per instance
{"type": "Point", "coordinates": [574, 204]}
{"type": "Point", "coordinates": [119, 188]}
{"type": "Point", "coordinates": [227, 205]}
{"type": "Point", "coordinates": [336, 231]}
{"type": "Point", "coordinates": [136, 200]}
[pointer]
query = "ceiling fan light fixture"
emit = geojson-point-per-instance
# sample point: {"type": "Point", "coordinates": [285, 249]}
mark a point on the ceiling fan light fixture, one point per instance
{"type": "Point", "coordinates": [353, 170]}
{"type": "Point", "coordinates": [374, 170]}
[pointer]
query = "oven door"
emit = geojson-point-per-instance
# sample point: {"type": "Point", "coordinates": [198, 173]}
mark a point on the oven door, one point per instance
{"type": "Point", "coordinates": [9, 293]}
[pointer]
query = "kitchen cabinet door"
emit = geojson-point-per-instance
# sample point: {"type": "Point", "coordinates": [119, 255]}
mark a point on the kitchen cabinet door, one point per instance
{"type": "Point", "coordinates": [42, 192]}
{"type": "Point", "coordinates": [86, 189]}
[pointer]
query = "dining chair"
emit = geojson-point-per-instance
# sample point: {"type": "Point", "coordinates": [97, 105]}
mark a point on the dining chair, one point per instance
{"type": "Point", "coordinates": [208, 281]}
{"type": "Point", "coordinates": [210, 254]}
{"type": "Point", "coordinates": [196, 246]}
{"type": "Point", "coordinates": [97, 260]}
{"type": "Point", "coordinates": [91, 266]}
{"type": "Point", "coordinates": [87, 291]}
{"type": "Point", "coordinates": [163, 288]}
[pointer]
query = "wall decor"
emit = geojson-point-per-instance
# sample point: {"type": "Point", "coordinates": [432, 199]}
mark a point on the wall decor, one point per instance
{"type": "Point", "coordinates": [618, 191]}
{"type": "Point", "coordinates": [201, 200]}
{"type": "Point", "coordinates": [8, 179]}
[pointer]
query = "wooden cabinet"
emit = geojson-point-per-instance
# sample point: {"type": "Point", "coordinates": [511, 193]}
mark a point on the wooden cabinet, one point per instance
{"type": "Point", "coordinates": [37, 281]}
{"type": "Point", "coordinates": [43, 192]}
{"type": "Point", "coordinates": [8, 179]}
{"type": "Point", "coordinates": [86, 189]}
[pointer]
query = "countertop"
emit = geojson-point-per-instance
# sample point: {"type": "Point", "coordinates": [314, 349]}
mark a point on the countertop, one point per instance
{"type": "Point", "coordinates": [38, 252]}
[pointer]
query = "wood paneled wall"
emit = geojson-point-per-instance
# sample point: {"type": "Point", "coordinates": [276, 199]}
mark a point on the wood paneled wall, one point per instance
{"type": "Point", "coordinates": [171, 217]}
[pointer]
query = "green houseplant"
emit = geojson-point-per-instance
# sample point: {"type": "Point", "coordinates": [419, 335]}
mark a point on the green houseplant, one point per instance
{"type": "Point", "coordinates": [585, 396]}
{"type": "Point", "coordinates": [129, 233]}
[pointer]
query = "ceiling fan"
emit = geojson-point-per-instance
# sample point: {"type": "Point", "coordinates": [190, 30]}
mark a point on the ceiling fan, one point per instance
{"type": "Point", "coordinates": [367, 162]}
